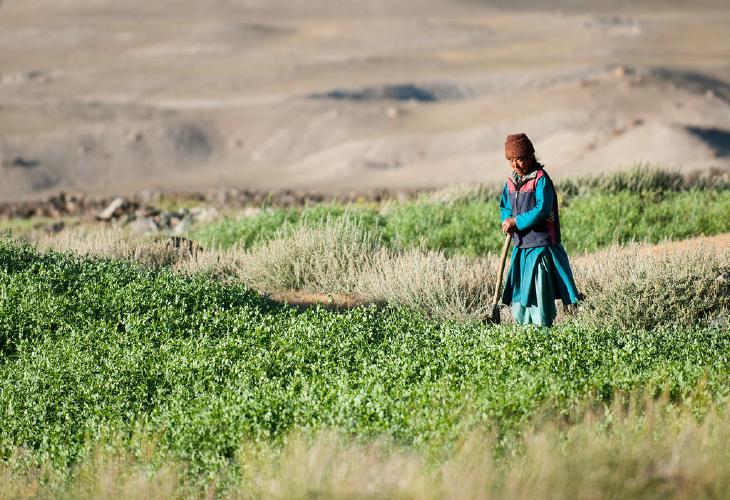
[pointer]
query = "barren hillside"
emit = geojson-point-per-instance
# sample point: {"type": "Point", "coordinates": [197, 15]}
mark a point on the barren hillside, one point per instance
{"type": "Point", "coordinates": [104, 97]}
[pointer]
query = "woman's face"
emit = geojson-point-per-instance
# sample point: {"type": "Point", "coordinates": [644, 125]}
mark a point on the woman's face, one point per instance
{"type": "Point", "coordinates": [521, 165]}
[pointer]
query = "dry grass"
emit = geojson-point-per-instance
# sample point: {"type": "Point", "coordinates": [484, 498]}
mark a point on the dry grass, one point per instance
{"type": "Point", "coordinates": [629, 287]}
{"type": "Point", "coordinates": [632, 287]}
{"type": "Point", "coordinates": [630, 452]}
{"type": "Point", "coordinates": [338, 260]}
{"type": "Point", "coordinates": [632, 449]}
{"type": "Point", "coordinates": [105, 475]}
{"type": "Point", "coordinates": [443, 287]}
{"type": "Point", "coordinates": [118, 244]}
{"type": "Point", "coordinates": [322, 259]}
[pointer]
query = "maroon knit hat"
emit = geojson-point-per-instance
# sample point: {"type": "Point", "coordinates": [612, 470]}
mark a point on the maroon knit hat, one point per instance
{"type": "Point", "coordinates": [518, 145]}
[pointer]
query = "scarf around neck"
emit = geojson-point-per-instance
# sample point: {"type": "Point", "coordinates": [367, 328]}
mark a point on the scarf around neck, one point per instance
{"type": "Point", "coordinates": [519, 181]}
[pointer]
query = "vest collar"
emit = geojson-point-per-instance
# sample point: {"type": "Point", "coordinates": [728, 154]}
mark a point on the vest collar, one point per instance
{"type": "Point", "coordinates": [519, 181]}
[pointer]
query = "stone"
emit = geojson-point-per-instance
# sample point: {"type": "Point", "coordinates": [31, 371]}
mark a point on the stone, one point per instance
{"type": "Point", "coordinates": [146, 211]}
{"type": "Point", "coordinates": [183, 226]}
{"type": "Point", "coordinates": [143, 226]}
{"type": "Point", "coordinates": [204, 214]}
{"type": "Point", "coordinates": [111, 210]}
{"type": "Point", "coordinates": [163, 219]}
{"type": "Point", "coordinates": [55, 228]}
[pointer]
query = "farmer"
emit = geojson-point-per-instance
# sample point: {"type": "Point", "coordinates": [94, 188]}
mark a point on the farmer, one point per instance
{"type": "Point", "coordinates": [539, 272]}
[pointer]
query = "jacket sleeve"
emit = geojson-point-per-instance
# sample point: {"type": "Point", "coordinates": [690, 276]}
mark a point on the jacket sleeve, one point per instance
{"type": "Point", "coordinates": [544, 193]}
{"type": "Point", "coordinates": [505, 208]}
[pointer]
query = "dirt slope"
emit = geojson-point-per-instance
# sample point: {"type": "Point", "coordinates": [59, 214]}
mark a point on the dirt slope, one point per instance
{"type": "Point", "coordinates": [110, 97]}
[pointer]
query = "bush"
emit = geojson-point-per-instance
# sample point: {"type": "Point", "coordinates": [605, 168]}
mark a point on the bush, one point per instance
{"type": "Point", "coordinates": [630, 289]}
{"type": "Point", "coordinates": [157, 251]}
{"type": "Point", "coordinates": [625, 288]}
{"type": "Point", "coordinates": [596, 212]}
{"type": "Point", "coordinates": [328, 258]}
{"type": "Point", "coordinates": [437, 286]}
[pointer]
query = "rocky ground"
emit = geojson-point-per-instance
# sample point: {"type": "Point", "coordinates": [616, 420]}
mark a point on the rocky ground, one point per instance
{"type": "Point", "coordinates": [143, 212]}
{"type": "Point", "coordinates": [113, 98]}
{"type": "Point", "coordinates": [107, 208]}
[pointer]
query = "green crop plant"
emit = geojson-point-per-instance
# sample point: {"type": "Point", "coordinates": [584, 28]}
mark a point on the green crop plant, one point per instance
{"type": "Point", "coordinates": [268, 223]}
{"type": "Point", "coordinates": [93, 347]}
{"type": "Point", "coordinates": [633, 448]}
{"type": "Point", "coordinates": [596, 212]}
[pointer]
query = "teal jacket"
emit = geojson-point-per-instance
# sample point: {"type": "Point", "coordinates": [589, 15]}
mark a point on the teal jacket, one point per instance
{"type": "Point", "coordinates": [544, 196]}
{"type": "Point", "coordinates": [520, 283]}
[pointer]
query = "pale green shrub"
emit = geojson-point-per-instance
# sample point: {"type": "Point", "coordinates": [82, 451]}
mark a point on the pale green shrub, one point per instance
{"type": "Point", "coordinates": [439, 286]}
{"type": "Point", "coordinates": [329, 258]}
{"type": "Point", "coordinates": [116, 243]}
{"type": "Point", "coordinates": [626, 287]}
{"type": "Point", "coordinates": [631, 288]}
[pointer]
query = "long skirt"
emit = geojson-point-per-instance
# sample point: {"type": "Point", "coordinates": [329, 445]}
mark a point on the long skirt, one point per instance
{"type": "Point", "coordinates": [536, 279]}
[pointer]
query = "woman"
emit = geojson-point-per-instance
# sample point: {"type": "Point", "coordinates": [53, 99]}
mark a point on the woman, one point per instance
{"type": "Point", "coordinates": [539, 272]}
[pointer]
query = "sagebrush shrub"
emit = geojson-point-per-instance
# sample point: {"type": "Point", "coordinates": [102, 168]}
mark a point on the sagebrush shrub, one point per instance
{"type": "Point", "coordinates": [329, 258]}
{"type": "Point", "coordinates": [156, 251]}
{"type": "Point", "coordinates": [633, 289]}
{"type": "Point", "coordinates": [625, 287]}
{"type": "Point", "coordinates": [438, 286]}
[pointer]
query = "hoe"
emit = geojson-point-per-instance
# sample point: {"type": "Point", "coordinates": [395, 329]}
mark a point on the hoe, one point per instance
{"type": "Point", "coordinates": [494, 316]}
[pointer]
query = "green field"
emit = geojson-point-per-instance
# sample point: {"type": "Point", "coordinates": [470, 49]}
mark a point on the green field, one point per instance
{"type": "Point", "coordinates": [469, 228]}
{"type": "Point", "coordinates": [173, 377]}
{"type": "Point", "coordinates": [93, 347]}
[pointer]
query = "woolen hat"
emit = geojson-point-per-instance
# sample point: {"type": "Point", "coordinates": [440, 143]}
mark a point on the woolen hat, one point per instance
{"type": "Point", "coordinates": [518, 145]}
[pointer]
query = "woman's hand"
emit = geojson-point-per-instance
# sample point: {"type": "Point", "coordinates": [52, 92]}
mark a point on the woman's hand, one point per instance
{"type": "Point", "coordinates": [509, 225]}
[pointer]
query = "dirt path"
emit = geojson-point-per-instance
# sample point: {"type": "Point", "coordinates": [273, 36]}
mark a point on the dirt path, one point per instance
{"type": "Point", "coordinates": [719, 242]}
{"type": "Point", "coordinates": [303, 300]}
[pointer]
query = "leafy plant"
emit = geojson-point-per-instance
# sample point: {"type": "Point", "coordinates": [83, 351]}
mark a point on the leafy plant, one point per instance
{"type": "Point", "coordinates": [93, 347]}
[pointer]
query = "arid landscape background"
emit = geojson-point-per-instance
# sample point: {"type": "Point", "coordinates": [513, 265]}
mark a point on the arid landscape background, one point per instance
{"type": "Point", "coordinates": [116, 97]}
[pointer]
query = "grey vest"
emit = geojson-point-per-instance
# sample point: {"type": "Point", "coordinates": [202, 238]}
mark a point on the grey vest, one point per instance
{"type": "Point", "coordinates": [522, 199]}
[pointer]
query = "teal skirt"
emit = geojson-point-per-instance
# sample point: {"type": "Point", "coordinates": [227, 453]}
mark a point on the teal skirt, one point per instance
{"type": "Point", "coordinates": [538, 277]}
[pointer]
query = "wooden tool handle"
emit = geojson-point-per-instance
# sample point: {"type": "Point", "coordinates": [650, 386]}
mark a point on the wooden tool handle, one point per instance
{"type": "Point", "coordinates": [500, 271]}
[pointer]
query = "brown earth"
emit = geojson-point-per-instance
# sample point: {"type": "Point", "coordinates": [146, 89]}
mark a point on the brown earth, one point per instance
{"type": "Point", "coordinates": [303, 300]}
{"type": "Point", "coordinates": [719, 242]}
{"type": "Point", "coordinates": [333, 96]}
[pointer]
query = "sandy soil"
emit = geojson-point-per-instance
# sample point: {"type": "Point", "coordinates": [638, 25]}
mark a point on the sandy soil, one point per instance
{"type": "Point", "coordinates": [719, 242]}
{"type": "Point", "coordinates": [113, 97]}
